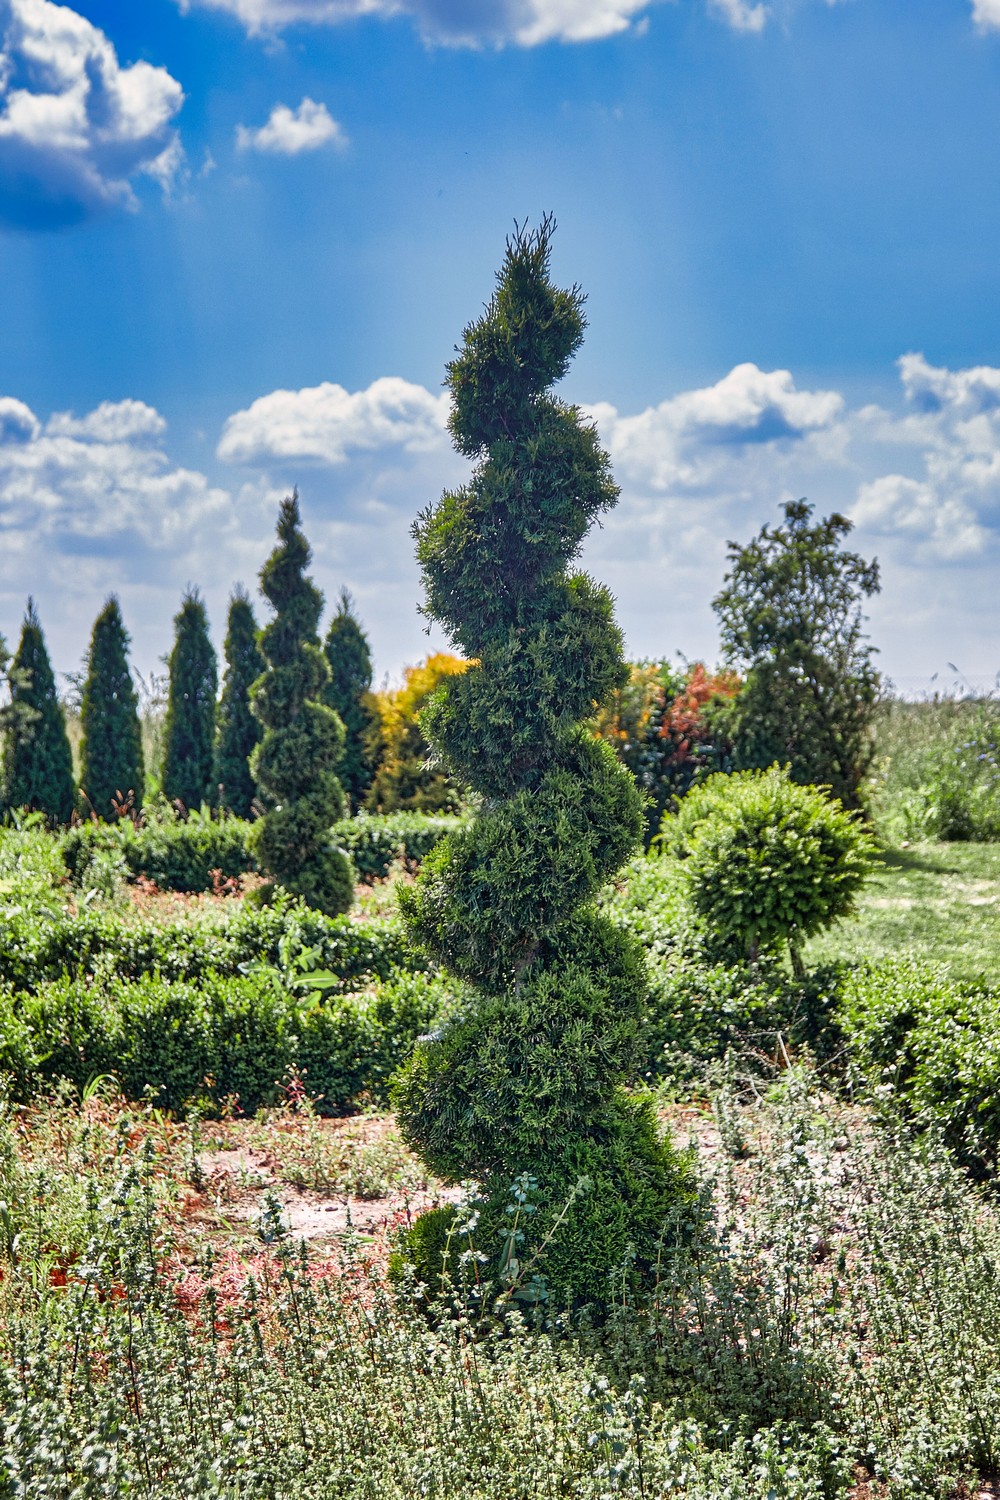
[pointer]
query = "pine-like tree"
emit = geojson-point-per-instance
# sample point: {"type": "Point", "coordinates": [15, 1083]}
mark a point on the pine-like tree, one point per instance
{"type": "Point", "coordinates": [349, 695]}
{"type": "Point", "coordinates": [294, 764]}
{"type": "Point", "coordinates": [237, 731]}
{"type": "Point", "coordinates": [111, 750]}
{"type": "Point", "coordinates": [38, 762]}
{"type": "Point", "coordinates": [190, 724]}
{"type": "Point", "coordinates": [524, 1091]}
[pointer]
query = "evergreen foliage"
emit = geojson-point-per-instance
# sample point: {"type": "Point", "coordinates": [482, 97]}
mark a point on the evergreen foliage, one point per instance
{"type": "Point", "coordinates": [767, 861]}
{"type": "Point", "coordinates": [37, 762]}
{"type": "Point", "coordinates": [111, 763]}
{"type": "Point", "coordinates": [349, 695]}
{"type": "Point", "coordinates": [294, 764]}
{"type": "Point", "coordinates": [190, 722]}
{"type": "Point", "coordinates": [791, 622]}
{"type": "Point", "coordinates": [526, 1086]}
{"type": "Point", "coordinates": [237, 731]}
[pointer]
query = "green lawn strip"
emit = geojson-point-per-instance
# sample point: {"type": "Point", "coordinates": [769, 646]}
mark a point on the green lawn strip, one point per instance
{"type": "Point", "coordinates": [937, 902]}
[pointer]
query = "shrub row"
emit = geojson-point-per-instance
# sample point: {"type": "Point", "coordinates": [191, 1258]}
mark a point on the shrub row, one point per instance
{"type": "Point", "coordinates": [374, 842]}
{"type": "Point", "coordinates": [185, 855]}
{"type": "Point", "coordinates": [933, 1049]}
{"type": "Point", "coordinates": [38, 949]}
{"type": "Point", "coordinates": [222, 1040]}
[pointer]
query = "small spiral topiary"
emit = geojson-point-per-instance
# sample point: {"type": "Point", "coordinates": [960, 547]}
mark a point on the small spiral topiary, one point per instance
{"type": "Point", "coordinates": [294, 765]}
{"type": "Point", "coordinates": [527, 1084]}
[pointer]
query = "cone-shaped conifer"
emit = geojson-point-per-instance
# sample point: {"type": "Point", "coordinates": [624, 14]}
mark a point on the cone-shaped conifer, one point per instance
{"type": "Point", "coordinates": [349, 694]}
{"type": "Point", "coordinates": [294, 764]}
{"type": "Point", "coordinates": [111, 750]}
{"type": "Point", "coordinates": [529, 1078]}
{"type": "Point", "coordinates": [190, 723]}
{"type": "Point", "coordinates": [37, 761]}
{"type": "Point", "coordinates": [237, 731]}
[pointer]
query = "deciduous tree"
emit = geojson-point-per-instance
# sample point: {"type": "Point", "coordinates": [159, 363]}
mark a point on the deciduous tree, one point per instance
{"type": "Point", "coordinates": [792, 623]}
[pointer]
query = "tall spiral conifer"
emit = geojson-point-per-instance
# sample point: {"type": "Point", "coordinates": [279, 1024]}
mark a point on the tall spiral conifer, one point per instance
{"type": "Point", "coordinates": [530, 1078]}
{"type": "Point", "coordinates": [294, 765]}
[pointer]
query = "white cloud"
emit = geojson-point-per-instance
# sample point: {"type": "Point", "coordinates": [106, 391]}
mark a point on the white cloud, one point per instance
{"type": "Point", "coordinates": [967, 392]}
{"type": "Point", "coordinates": [986, 14]}
{"type": "Point", "coordinates": [289, 131]}
{"type": "Point", "coordinates": [525, 23]}
{"type": "Point", "coordinates": [943, 527]}
{"type": "Point", "coordinates": [18, 423]}
{"type": "Point", "coordinates": [94, 502]}
{"type": "Point", "coordinates": [75, 125]}
{"type": "Point", "coordinates": [680, 443]}
{"type": "Point", "coordinates": [111, 422]}
{"type": "Point", "coordinates": [740, 14]}
{"type": "Point", "coordinates": [325, 423]}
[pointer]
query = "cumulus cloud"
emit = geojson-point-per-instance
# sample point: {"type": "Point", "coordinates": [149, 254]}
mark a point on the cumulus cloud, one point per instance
{"type": "Point", "coordinates": [943, 526]}
{"type": "Point", "coordinates": [75, 125]}
{"type": "Point", "coordinates": [525, 23]}
{"type": "Point", "coordinates": [326, 423]}
{"type": "Point", "coordinates": [986, 14]}
{"type": "Point", "coordinates": [675, 445]}
{"type": "Point", "coordinates": [932, 389]}
{"type": "Point", "coordinates": [290, 131]}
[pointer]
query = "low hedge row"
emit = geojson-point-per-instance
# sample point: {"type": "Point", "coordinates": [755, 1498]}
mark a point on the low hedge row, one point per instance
{"type": "Point", "coordinates": [375, 842]}
{"type": "Point", "coordinates": [175, 855]}
{"type": "Point", "coordinates": [37, 949]}
{"type": "Point", "coordinates": [931, 1049]}
{"type": "Point", "coordinates": [222, 1040]}
{"type": "Point", "coordinates": [188, 855]}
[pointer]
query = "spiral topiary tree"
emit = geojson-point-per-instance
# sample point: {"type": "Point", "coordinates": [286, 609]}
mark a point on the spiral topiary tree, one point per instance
{"type": "Point", "coordinates": [529, 1079]}
{"type": "Point", "coordinates": [294, 765]}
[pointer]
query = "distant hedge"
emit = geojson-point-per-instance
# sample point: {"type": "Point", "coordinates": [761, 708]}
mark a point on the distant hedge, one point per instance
{"type": "Point", "coordinates": [40, 949]}
{"type": "Point", "coordinates": [184, 855]}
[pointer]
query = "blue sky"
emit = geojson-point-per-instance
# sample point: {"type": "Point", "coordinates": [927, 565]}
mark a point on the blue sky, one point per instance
{"type": "Point", "coordinates": [239, 238]}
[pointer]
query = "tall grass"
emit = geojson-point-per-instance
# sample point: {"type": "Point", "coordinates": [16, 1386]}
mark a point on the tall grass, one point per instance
{"type": "Point", "coordinates": [937, 770]}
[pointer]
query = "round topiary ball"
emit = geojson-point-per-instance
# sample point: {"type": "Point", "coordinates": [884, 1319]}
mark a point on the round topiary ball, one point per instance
{"type": "Point", "coordinates": [766, 860]}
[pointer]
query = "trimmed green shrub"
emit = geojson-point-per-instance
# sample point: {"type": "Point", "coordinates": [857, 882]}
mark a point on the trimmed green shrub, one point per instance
{"type": "Point", "coordinates": [294, 764]}
{"type": "Point", "coordinates": [767, 861]}
{"type": "Point", "coordinates": [374, 841]}
{"type": "Point", "coordinates": [237, 731]}
{"type": "Point", "coordinates": [111, 767]}
{"type": "Point", "coordinates": [183, 855]}
{"type": "Point", "coordinates": [37, 761]}
{"type": "Point", "coordinates": [935, 1047]}
{"type": "Point", "coordinates": [176, 855]}
{"type": "Point", "coordinates": [189, 728]}
{"type": "Point", "coordinates": [526, 1084]}
{"type": "Point", "coordinates": [225, 1040]}
{"type": "Point", "coordinates": [35, 948]}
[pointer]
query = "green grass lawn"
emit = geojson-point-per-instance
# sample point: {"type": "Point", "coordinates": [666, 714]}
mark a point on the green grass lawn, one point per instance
{"type": "Point", "coordinates": [933, 901]}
